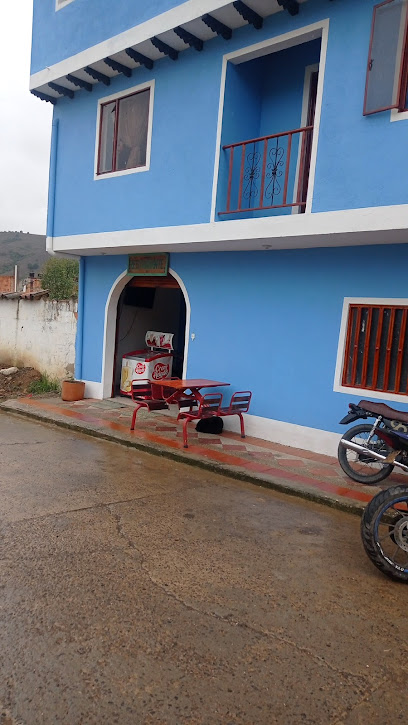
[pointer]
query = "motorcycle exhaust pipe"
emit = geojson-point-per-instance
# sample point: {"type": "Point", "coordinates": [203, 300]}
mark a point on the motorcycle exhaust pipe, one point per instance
{"type": "Point", "coordinates": [378, 457]}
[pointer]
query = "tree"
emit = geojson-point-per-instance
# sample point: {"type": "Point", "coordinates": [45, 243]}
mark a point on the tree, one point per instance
{"type": "Point", "coordinates": [60, 278]}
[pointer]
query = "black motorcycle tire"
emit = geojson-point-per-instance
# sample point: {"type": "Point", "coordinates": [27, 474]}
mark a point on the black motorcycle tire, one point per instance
{"type": "Point", "coordinates": [368, 531]}
{"type": "Point", "coordinates": [369, 480]}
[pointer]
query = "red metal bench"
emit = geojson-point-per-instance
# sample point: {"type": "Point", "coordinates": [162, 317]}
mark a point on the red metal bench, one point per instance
{"type": "Point", "coordinates": [146, 395]}
{"type": "Point", "coordinates": [239, 404]}
{"type": "Point", "coordinates": [209, 407]}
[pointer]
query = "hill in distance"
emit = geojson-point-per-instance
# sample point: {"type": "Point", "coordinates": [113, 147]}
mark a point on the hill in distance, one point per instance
{"type": "Point", "coordinates": [24, 249]}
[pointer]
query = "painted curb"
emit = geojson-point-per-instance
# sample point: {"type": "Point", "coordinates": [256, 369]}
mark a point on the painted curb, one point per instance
{"type": "Point", "coordinates": [318, 497]}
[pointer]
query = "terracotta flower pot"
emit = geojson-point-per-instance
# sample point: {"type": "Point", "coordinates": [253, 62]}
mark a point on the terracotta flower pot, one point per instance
{"type": "Point", "coordinates": [72, 390]}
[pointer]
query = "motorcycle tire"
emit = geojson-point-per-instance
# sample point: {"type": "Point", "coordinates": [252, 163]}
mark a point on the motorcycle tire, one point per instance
{"type": "Point", "coordinates": [369, 478]}
{"type": "Point", "coordinates": [380, 545]}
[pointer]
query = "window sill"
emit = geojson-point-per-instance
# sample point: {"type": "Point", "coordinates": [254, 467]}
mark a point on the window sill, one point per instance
{"type": "Point", "coordinates": [124, 172]}
{"type": "Point", "coordinates": [62, 4]}
{"type": "Point", "coordinates": [372, 394]}
{"type": "Point", "coordinates": [397, 115]}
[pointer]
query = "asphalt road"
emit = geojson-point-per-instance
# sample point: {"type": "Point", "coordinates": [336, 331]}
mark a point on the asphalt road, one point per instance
{"type": "Point", "coordinates": [135, 590]}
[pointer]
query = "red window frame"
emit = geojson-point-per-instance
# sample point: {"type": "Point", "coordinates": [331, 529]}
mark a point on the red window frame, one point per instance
{"type": "Point", "coordinates": [117, 101]}
{"type": "Point", "coordinates": [357, 348]}
{"type": "Point", "coordinates": [400, 103]}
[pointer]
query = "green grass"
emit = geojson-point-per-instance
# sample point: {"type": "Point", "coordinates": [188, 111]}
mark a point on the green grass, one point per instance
{"type": "Point", "coordinates": [44, 385]}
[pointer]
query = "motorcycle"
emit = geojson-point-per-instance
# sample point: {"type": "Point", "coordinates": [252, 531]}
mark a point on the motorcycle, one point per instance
{"type": "Point", "coordinates": [384, 532]}
{"type": "Point", "coordinates": [368, 453]}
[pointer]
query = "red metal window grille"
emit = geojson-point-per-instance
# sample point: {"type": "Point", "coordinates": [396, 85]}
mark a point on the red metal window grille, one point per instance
{"type": "Point", "coordinates": [123, 132]}
{"type": "Point", "coordinates": [387, 66]}
{"type": "Point", "coordinates": [376, 351]}
{"type": "Point", "coordinates": [259, 171]}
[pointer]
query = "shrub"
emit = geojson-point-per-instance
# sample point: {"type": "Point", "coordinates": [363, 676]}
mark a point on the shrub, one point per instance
{"type": "Point", "coordinates": [44, 385]}
{"type": "Point", "coordinates": [60, 278]}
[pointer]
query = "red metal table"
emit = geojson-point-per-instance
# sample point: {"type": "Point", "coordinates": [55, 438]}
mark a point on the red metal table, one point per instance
{"type": "Point", "coordinates": [180, 388]}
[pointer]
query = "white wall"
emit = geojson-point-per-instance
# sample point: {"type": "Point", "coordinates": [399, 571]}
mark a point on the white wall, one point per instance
{"type": "Point", "coordinates": [39, 334]}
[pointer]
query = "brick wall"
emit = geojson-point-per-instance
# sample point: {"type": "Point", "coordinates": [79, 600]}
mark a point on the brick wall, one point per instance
{"type": "Point", "coordinates": [32, 284]}
{"type": "Point", "coordinates": [6, 283]}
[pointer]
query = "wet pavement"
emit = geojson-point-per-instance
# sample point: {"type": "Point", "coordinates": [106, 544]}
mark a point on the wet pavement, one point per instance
{"type": "Point", "coordinates": [138, 590]}
{"type": "Point", "coordinates": [282, 467]}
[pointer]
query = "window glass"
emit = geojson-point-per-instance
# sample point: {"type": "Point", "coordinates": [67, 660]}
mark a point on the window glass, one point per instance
{"type": "Point", "coordinates": [386, 52]}
{"type": "Point", "coordinates": [132, 131]}
{"type": "Point", "coordinates": [107, 133]}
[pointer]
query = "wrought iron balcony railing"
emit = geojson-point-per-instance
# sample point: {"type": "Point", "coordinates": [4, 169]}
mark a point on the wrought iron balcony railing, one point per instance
{"type": "Point", "coordinates": [270, 172]}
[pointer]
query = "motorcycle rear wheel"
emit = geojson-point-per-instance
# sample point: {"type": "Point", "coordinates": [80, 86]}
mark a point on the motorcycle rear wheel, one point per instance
{"type": "Point", "coordinates": [384, 532]}
{"type": "Point", "coordinates": [369, 471]}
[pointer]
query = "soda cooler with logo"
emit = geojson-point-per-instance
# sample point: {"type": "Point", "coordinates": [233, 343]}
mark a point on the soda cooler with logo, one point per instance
{"type": "Point", "coordinates": [155, 362]}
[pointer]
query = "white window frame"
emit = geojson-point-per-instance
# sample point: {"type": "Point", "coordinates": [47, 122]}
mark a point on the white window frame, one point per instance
{"type": "Point", "coordinates": [114, 97]}
{"type": "Point", "coordinates": [61, 4]}
{"type": "Point", "coordinates": [265, 47]}
{"type": "Point", "coordinates": [309, 70]}
{"type": "Point", "coordinates": [395, 113]}
{"type": "Point", "coordinates": [338, 375]}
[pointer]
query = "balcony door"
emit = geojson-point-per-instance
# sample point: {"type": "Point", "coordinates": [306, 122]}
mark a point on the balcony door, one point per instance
{"type": "Point", "coordinates": [306, 151]}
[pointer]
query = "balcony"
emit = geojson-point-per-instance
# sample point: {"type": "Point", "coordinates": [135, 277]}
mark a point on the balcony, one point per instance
{"type": "Point", "coordinates": [269, 172]}
{"type": "Point", "coordinates": [266, 137]}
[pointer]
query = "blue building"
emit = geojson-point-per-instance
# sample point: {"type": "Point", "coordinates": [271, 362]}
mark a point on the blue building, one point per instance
{"type": "Point", "coordinates": [260, 148]}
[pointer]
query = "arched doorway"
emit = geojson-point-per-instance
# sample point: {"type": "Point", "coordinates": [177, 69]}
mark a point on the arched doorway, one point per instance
{"type": "Point", "coordinates": [138, 304]}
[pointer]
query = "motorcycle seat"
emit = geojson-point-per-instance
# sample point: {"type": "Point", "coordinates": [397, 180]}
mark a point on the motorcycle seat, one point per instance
{"type": "Point", "coordinates": [384, 410]}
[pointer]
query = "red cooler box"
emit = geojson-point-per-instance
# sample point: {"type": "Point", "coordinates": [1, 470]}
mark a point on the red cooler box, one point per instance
{"type": "Point", "coordinates": [155, 362]}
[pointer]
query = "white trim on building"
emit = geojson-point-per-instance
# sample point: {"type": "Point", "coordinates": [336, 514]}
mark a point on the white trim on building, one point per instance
{"type": "Point", "coordinates": [188, 318]}
{"type": "Point", "coordinates": [59, 4]}
{"type": "Point", "coordinates": [93, 390]}
{"type": "Point", "coordinates": [397, 115]}
{"type": "Point", "coordinates": [350, 227]}
{"type": "Point", "coordinates": [109, 333]}
{"type": "Point", "coordinates": [287, 434]}
{"type": "Point", "coordinates": [180, 15]}
{"type": "Point", "coordinates": [104, 388]}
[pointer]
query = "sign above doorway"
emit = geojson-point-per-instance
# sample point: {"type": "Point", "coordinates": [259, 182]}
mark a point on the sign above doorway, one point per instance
{"type": "Point", "coordinates": [151, 265]}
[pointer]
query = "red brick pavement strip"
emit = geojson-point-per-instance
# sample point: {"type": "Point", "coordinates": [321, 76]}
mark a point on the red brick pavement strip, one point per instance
{"type": "Point", "coordinates": [278, 475]}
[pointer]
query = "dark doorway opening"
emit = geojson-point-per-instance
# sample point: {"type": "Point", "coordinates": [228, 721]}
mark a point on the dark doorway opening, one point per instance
{"type": "Point", "coordinates": [149, 303]}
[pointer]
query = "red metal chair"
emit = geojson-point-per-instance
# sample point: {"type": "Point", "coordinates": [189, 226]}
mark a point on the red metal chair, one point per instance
{"type": "Point", "coordinates": [239, 404]}
{"type": "Point", "coordinates": [141, 389]}
{"type": "Point", "coordinates": [208, 408]}
{"type": "Point", "coordinates": [146, 395]}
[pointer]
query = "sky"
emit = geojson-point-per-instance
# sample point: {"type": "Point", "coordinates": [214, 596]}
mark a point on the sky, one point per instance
{"type": "Point", "coordinates": [25, 127]}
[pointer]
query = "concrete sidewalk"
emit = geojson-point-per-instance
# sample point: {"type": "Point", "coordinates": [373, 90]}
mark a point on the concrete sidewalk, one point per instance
{"type": "Point", "coordinates": [296, 472]}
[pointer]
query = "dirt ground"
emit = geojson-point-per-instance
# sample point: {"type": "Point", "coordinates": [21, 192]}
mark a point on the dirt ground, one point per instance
{"type": "Point", "coordinates": [17, 384]}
